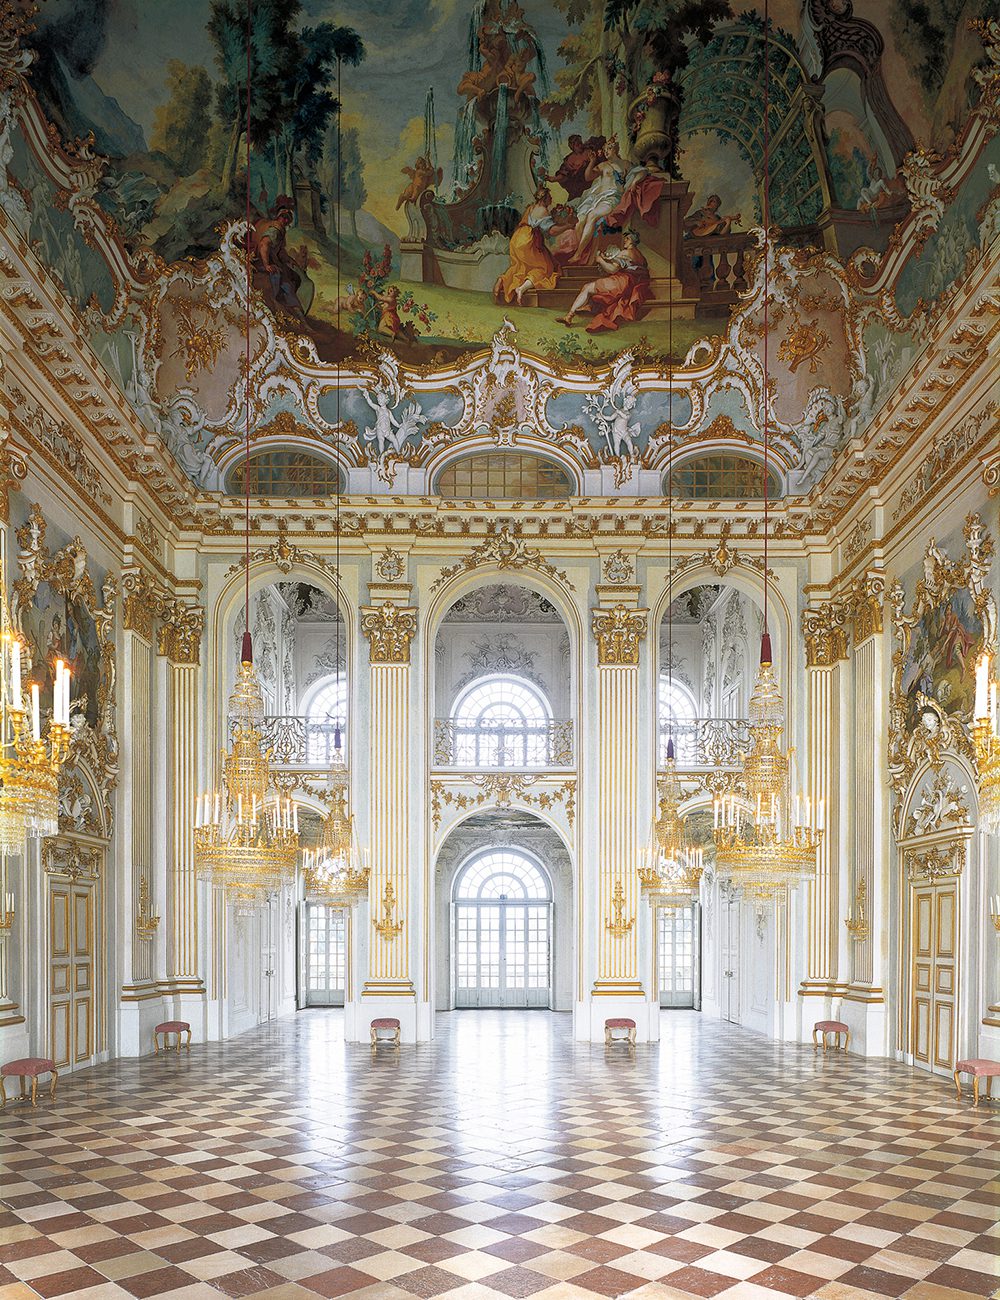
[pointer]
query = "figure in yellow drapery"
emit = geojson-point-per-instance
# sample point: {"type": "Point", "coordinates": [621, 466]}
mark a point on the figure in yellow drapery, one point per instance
{"type": "Point", "coordinates": [531, 264]}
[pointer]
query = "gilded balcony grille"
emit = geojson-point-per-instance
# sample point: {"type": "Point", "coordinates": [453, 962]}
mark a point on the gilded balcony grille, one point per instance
{"type": "Point", "coordinates": [705, 742]}
{"type": "Point", "coordinates": [298, 741]}
{"type": "Point", "coordinates": [505, 743]}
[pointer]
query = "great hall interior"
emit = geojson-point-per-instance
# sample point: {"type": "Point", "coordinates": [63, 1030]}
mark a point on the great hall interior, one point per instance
{"type": "Point", "coordinates": [500, 769]}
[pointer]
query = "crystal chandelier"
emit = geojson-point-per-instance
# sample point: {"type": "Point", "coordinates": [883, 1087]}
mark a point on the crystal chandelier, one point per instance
{"type": "Point", "coordinates": [986, 735]}
{"type": "Point", "coordinates": [673, 867]}
{"type": "Point", "coordinates": [246, 836]}
{"type": "Point", "coordinates": [30, 762]}
{"type": "Point", "coordinates": [764, 838]}
{"type": "Point", "coordinates": [335, 869]}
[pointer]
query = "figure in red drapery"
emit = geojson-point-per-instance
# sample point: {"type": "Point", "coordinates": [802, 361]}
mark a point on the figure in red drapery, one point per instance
{"type": "Point", "coordinates": [621, 294]}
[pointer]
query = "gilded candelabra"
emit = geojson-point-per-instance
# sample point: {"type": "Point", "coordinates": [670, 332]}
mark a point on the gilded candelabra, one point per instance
{"type": "Point", "coordinates": [618, 925]}
{"type": "Point", "coordinates": [986, 736]}
{"type": "Point", "coordinates": [30, 762]}
{"type": "Point", "coordinates": [246, 839]}
{"type": "Point", "coordinates": [7, 915]}
{"type": "Point", "coordinates": [764, 839]}
{"type": "Point", "coordinates": [857, 924]}
{"type": "Point", "coordinates": [387, 928]}
{"type": "Point", "coordinates": [146, 923]}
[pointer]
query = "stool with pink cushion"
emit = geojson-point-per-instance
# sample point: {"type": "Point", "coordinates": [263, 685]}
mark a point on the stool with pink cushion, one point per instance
{"type": "Point", "coordinates": [980, 1068]}
{"type": "Point", "coordinates": [625, 1030]}
{"type": "Point", "coordinates": [28, 1067]}
{"type": "Point", "coordinates": [169, 1027]}
{"type": "Point", "coordinates": [385, 1029]}
{"type": "Point", "coordinates": [835, 1027]}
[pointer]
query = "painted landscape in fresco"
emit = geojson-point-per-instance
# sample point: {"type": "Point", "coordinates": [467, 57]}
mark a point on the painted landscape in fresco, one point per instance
{"type": "Point", "coordinates": [575, 165]}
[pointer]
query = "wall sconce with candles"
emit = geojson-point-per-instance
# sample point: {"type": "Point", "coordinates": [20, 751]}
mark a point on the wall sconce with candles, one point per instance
{"type": "Point", "coordinates": [986, 736]}
{"type": "Point", "coordinates": [995, 912]}
{"type": "Point", "coordinates": [7, 915]}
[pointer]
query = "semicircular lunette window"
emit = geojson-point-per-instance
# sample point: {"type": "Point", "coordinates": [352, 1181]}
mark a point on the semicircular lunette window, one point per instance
{"type": "Point", "coordinates": [505, 476]}
{"type": "Point", "coordinates": [286, 473]}
{"type": "Point", "coordinates": [723, 477]}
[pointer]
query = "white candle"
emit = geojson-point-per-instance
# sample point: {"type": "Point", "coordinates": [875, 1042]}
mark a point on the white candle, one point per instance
{"type": "Point", "coordinates": [993, 703]}
{"type": "Point", "coordinates": [15, 673]}
{"type": "Point", "coordinates": [67, 678]}
{"type": "Point", "coordinates": [36, 731]}
{"type": "Point", "coordinates": [821, 817]}
{"type": "Point", "coordinates": [715, 814]}
{"type": "Point", "coordinates": [982, 685]}
{"type": "Point", "coordinates": [295, 818]}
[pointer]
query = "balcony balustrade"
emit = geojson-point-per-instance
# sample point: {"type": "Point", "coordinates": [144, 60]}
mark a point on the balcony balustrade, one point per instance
{"type": "Point", "coordinates": [705, 742]}
{"type": "Point", "coordinates": [298, 741]}
{"type": "Point", "coordinates": [503, 744]}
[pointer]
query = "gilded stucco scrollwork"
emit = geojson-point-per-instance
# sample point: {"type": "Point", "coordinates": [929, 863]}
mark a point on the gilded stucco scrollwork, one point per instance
{"type": "Point", "coordinates": [825, 634]}
{"type": "Point", "coordinates": [619, 632]}
{"type": "Point", "coordinates": [64, 856]}
{"type": "Point", "coordinates": [922, 728]}
{"type": "Point", "coordinates": [389, 628]}
{"type": "Point", "coordinates": [13, 470]}
{"type": "Point", "coordinates": [503, 549]}
{"type": "Point", "coordinates": [502, 790]}
{"type": "Point", "coordinates": [865, 602]}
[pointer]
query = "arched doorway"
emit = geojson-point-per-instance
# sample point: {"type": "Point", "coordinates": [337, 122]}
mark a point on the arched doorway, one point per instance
{"type": "Point", "coordinates": [502, 909]}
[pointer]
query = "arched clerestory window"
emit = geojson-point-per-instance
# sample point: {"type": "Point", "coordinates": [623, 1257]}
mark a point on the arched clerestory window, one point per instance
{"type": "Point", "coordinates": [501, 721]}
{"type": "Point", "coordinates": [325, 710]}
{"type": "Point", "coordinates": [678, 715]}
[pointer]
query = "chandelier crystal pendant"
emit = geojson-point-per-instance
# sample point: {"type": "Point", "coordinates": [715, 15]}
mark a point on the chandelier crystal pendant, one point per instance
{"type": "Point", "coordinates": [246, 835]}
{"type": "Point", "coordinates": [766, 838]}
{"type": "Point", "coordinates": [986, 736]}
{"type": "Point", "coordinates": [30, 761]}
{"type": "Point", "coordinates": [335, 869]}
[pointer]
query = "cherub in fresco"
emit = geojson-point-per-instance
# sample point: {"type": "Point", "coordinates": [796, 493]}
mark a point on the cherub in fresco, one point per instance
{"type": "Point", "coordinates": [423, 177]}
{"type": "Point", "coordinates": [389, 321]}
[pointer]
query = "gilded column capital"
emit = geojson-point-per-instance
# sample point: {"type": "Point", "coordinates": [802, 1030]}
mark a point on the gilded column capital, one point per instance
{"type": "Point", "coordinates": [390, 629]}
{"type": "Point", "coordinates": [139, 601]}
{"type": "Point", "coordinates": [618, 632]}
{"type": "Point", "coordinates": [13, 470]}
{"type": "Point", "coordinates": [865, 601]}
{"type": "Point", "coordinates": [823, 628]}
{"type": "Point", "coordinates": [180, 632]}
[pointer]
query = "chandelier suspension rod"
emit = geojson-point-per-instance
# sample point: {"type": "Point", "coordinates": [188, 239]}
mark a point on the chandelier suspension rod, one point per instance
{"type": "Point", "coordinates": [670, 476]}
{"type": "Point", "coordinates": [246, 383]}
{"type": "Point", "coordinates": [337, 737]}
{"type": "Point", "coordinates": [766, 211]}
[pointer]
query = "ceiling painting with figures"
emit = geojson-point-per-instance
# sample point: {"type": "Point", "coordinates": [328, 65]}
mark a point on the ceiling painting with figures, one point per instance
{"type": "Point", "coordinates": [449, 198]}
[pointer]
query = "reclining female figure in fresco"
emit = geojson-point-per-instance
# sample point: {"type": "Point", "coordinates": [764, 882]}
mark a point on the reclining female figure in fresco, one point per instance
{"type": "Point", "coordinates": [620, 294]}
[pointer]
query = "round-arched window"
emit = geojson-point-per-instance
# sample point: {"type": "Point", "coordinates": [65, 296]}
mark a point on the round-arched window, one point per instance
{"type": "Point", "coordinates": [678, 716]}
{"type": "Point", "coordinates": [723, 476]}
{"type": "Point", "coordinates": [498, 875]}
{"type": "Point", "coordinates": [325, 709]}
{"type": "Point", "coordinates": [504, 476]}
{"type": "Point", "coordinates": [501, 721]}
{"type": "Point", "coordinates": [286, 473]}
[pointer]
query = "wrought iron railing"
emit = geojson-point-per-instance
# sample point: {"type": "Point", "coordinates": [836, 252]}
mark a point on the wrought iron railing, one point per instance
{"type": "Point", "coordinates": [297, 741]}
{"type": "Point", "coordinates": [706, 742]}
{"type": "Point", "coordinates": [504, 744]}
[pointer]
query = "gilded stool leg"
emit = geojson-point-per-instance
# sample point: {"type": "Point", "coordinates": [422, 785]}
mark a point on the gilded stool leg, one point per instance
{"type": "Point", "coordinates": [847, 1041]}
{"type": "Point", "coordinates": [3, 1094]}
{"type": "Point", "coordinates": [373, 1035]}
{"type": "Point", "coordinates": [52, 1086]}
{"type": "Point", "coordinates": [815, 1042]}
{"type": "Point", "coordinates": [156, 1043]}
{"type": "Point", "coordinates": [607, 1037]}
{"type": "Point", "coordinates": [397, 1039]}
{"type": "Point", "coordinates": [34, 1090]}
{"type": "Point", "coordinates": [631, 1038]}
{"type": "Point", "coordinates": [975, 1090]}
{"type": "Point", "coordinates": [24, 1085]}
{"type": "Point", "coordinates": [958, 1086]}
{"type": "Point", "coordinates": [188, 1042]}
{"type": "Point", "coordinates": [989, 1087]}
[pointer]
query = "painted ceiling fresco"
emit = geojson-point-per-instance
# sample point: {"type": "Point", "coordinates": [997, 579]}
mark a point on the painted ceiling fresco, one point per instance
{"type": "Point", "coordinates": [471, 216]}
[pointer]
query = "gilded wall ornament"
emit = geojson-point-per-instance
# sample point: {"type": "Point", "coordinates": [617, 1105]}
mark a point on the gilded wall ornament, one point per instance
{"type": "Point", "coordinates": [65, 856]}
{"type": "Point", "coordinates": [618, 632]}
{"type": "Point", "coordinates": [936, 860]}
{"type": "Point", "coordinates": [283, 554]}
{"type": "Point", "coordinates": [503, 549]}
{"type": "Point", "coordinates": [390, 566]}
{"type": "Point", "coordinates": [13, 470]}
{"type": "Point", "coordinates": [865, 604]}
{"type": "Point", "coordinates": [502, 790]}
{"type": "Point", "coordinates": [181, 624]}
{"type": "Point", "coordinates": [390, 629]}
{"type": "Point", "coordinates": [618, 569]}
{"type": "Point", "coordinates": [857, 539]}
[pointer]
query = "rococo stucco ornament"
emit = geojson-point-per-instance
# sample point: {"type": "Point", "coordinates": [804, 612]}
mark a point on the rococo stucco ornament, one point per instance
{"type": "Point", "coordinates": [503, 549]}
{"type": "Point", "coordinates": [618, 632]}
{"type": "Point", "coordinates": [921, 729]}
{"type": "Point", "coordinates": [390, 629]}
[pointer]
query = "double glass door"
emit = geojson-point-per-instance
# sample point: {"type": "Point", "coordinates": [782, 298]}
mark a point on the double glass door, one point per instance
{"type": "Point", "coordinates": [678, 958]}
{"type": "Point", "coordinates": [324, 970]}
{"type": "Point", "coordinates": [502, 954]}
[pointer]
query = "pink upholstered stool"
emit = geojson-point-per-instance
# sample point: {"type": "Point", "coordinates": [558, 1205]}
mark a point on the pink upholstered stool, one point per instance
{"type": "Point", "coordinates": [979, 1068]}
{"type": "Point", "coordinates": [169, 1027]}
{"type": "Point", "coordinates": [621, 1022]}
{"type": "Point", "coordinates": [29, 1067]}
{"type": "Point", "coordinates": [836, 1027]}
{"type": "Point", "coordinates": [389, 1025]}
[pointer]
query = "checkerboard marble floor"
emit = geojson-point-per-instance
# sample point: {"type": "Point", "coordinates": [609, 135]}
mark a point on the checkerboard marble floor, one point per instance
{"type": "Point", "coordinates": [502, 1160]}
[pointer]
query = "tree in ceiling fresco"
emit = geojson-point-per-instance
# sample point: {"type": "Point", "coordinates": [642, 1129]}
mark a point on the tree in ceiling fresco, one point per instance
{"type": "Point", "coordinates": [572, 165]}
